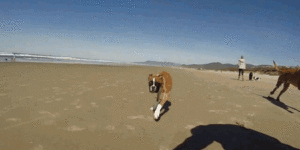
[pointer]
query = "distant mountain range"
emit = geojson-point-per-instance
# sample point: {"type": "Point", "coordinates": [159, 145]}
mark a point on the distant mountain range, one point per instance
{"type": "Point", "coordinates": [213, 66]}
{"type": "Point", "coordinates": [158, 63]}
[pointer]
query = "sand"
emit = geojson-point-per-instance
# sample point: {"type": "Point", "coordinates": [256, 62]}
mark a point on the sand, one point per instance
{"type": "Point", "coordinates": [72, 106]}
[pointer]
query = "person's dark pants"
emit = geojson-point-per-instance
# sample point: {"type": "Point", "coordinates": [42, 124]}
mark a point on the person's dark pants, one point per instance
{"type": "Point", "coordinates": [241, 71]}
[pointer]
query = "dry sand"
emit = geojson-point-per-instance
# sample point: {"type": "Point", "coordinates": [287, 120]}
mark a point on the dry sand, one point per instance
{"type": "Point", "coordinates": [71, 106]}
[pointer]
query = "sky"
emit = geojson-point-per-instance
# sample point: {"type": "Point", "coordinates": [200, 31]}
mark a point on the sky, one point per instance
{"type": "Point", "coordinates": [179, 31]}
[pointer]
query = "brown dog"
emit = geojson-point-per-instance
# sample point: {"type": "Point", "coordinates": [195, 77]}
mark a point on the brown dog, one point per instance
{"type": "Point", "coordinates": [160, 83]}
{"type": "Point", "coordinates": [286, 76]}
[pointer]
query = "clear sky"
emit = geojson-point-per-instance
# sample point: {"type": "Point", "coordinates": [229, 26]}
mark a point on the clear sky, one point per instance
{"type": "Point", "coordinates": [180, 31]}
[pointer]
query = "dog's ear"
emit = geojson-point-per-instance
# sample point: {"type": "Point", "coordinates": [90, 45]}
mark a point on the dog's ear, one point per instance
{"type": "Point", "coordinates": [150, 75]}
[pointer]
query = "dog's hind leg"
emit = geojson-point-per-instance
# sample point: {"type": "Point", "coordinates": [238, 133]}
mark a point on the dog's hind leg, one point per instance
{"type": "Point", "coordinates": [278, 84]}
{"type": "Point", "coordinates": [286, 86]}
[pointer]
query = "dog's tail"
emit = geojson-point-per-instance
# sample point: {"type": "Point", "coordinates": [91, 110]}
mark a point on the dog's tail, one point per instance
{"type": "Point", "coordinates": [279, 71]}
{"type": "Point", "coordinates": [275, 66]}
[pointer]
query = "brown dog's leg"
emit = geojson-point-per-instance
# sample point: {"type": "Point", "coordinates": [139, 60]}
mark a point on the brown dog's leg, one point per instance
{"type": "Point", "coordinates": [158, 95]}
{"type": "Point", "coordinates": [278, 84]}
{"type": "Point", "coordinates": [165, 98]}
{"type": "Point", "coordinates": [286, 86]}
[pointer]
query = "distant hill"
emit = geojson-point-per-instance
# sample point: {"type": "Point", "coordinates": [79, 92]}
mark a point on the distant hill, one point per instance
{"type": "Point", "coordinates": [209, 66]}
{"type": "Point", "coordinates": [158, 63]}
{"type": "Point", "coordinates": [215, 66]}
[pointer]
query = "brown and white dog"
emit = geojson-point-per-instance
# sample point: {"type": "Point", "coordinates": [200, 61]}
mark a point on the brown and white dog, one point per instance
{"type": "Point", "coordinates": [160, 83]}
{"type": "Point", "coordinates": [286, 76]}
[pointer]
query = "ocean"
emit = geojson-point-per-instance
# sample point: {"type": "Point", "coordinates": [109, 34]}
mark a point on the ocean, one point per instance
{"type": "Point", "coordinates": [23, 57]}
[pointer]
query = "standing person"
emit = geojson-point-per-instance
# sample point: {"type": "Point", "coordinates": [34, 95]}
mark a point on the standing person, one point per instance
{"type": "Point", "coordinates": [242, 67]}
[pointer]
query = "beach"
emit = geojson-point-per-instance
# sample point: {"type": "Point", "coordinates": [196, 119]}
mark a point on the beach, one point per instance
{"type": "Point", "coordinates": [82, 106]}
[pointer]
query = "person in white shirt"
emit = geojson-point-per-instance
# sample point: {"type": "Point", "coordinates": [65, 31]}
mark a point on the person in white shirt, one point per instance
{"type": "Point", "coordinates": [242, 67]}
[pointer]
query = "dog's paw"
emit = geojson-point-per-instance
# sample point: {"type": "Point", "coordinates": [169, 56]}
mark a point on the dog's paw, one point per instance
{"type": "Point", "coordinates": [271, 93]}
{"type": "Point", "coordinates": [156, 114]}
{"type": "Point", "coordinates": [152, 108]}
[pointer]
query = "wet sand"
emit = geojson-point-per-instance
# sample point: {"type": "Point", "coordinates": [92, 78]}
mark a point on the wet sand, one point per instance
{"type": "Point", "coordinates": [72, 106]}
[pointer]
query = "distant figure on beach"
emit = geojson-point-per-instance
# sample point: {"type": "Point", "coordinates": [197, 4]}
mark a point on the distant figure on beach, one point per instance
{"type": "Point", "coordinates": [5, 59]}
{"type": "Point", "coordinates": [242, 67]}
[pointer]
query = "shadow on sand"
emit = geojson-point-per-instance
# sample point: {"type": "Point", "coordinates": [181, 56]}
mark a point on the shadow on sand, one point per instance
{"type": "Point", "coordinates": [231, 137]}
{"type": "Point", "coordinates": [165, 109]}
{"type": "Point", "coordinates": [280, 104]}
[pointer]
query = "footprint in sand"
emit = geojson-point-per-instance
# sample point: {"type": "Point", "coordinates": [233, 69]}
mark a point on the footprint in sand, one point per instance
{"type": "Point", "coordinates": [220, 97]}
{"type": "Point", "coordinates": [40, 147]}
{"type": "Point", "coordinates": [46, 112]}
{"type": "Point", "coordinates": [100, 87]}
{"type": "Point", "coordinates": [163, 148]}
{"type": "Point", "coordinates": [49, 122]}
{"type": "Point", "coordinates": [28, 97]}
{"type": "Point", "coordinates": [149, 118]}
{"type": "Point", "coordinates": [13, 119]}
{"type": "Point", "coordinates": [75, 128]}
{"type": "Point", "coordinates": [79, 93]}
{"type": "Point", "coordinates": [94, 104]}
{"type": "Point", "coordinates": [130, 127]}
{"type": "Point", "coordinates": [75, 102]}
{"type": "Point", "coordinates": [60, 93]}
{"type": "Point", "coordinates": [136, 117]}
{"type": "Point", "coordinates": [2, 94]}
{"type": "Point", "coordinates": [218, 111]}
{"type": "Point", "coordinates": [58, 99]}
{"type": "Point", "coordinates": [110, 127]}
{"type": "Point", "coordinates": [251, 114]}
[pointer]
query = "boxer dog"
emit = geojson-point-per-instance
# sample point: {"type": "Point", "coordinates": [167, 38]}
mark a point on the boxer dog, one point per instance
{"type": "Point", "coordinates": [286, 76]}
{"type": "Point", "coordinates": [160, 83]}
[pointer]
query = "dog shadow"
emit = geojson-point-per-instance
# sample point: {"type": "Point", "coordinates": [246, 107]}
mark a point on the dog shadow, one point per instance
{"type": "Point", "coordinates": [280, 104]}
{"type": "Point", "coordinates": [231, 137]}
{"type": "Point", "coordinates": [165, 109]}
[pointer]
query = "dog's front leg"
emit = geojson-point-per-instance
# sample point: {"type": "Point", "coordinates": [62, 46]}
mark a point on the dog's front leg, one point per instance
{"type": "Point", "coordinates": [166, 96]}
{"type": "Point", "coordinates": [157, 100]}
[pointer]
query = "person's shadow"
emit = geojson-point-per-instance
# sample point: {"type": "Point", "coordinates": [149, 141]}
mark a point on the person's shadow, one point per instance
{"type": "Point", "coordinates": [280, 104]}
{"type": "Point", "coordinates": [231, 137]}
{"type": "Point", "coordinates": [165, 109]}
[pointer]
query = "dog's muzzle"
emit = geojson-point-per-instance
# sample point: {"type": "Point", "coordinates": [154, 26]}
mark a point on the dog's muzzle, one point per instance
{"type": "Point", "coordinates": [153, 87]}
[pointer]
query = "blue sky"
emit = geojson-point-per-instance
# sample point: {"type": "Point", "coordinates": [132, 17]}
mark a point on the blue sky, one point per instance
{"type": "Point", "coordinates": [180, 31]}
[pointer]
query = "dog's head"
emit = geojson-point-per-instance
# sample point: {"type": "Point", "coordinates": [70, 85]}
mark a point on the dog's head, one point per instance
{"type": "Point", "coordinates": [155, 82]}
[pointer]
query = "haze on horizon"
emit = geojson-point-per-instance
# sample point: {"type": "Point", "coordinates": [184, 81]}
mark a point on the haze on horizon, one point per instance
{"type": "Point", "coordinates": [179, 31]}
